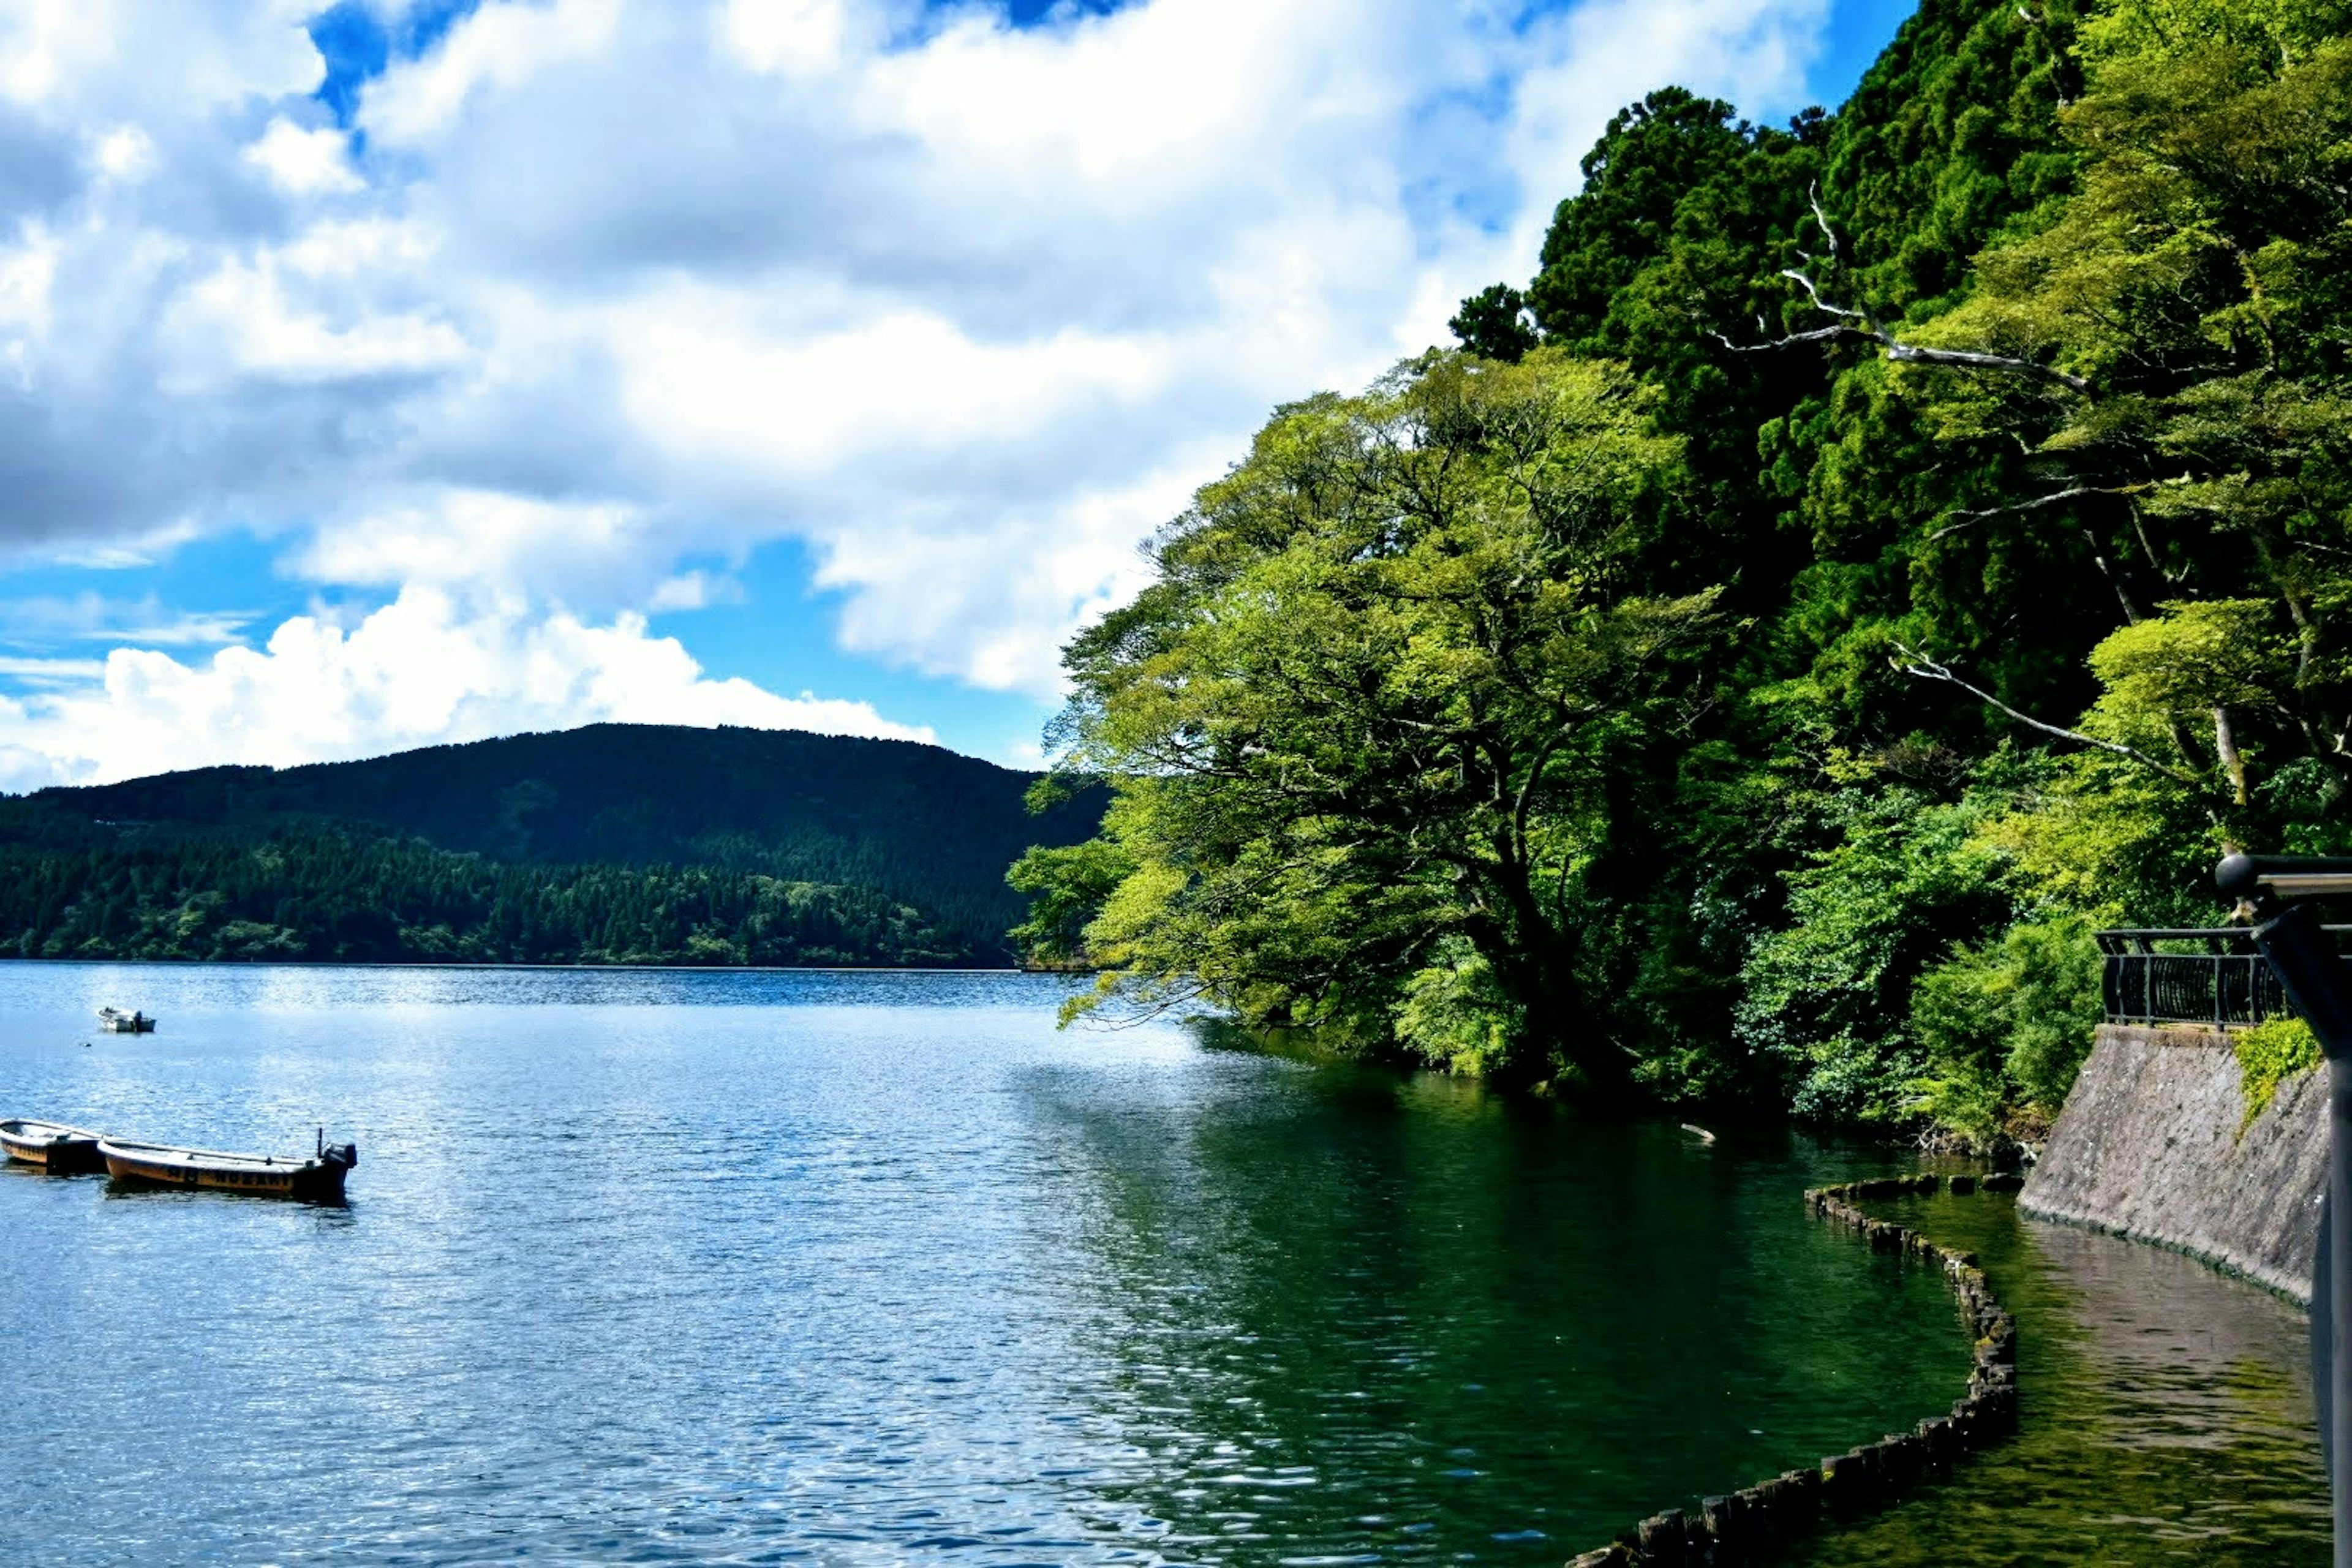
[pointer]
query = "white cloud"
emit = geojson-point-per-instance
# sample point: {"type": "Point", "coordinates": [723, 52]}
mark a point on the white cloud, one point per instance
{"type": "Point", "coordinates": [87, 617]}
{"type": "Point", "coordinates": [797, 39]}
{"type": "Point", "coordinates": [963, 309]}
{"type": "Point", "coordinates": [48, 672]}
{"type": "Point", "coordinates": [81, 54]}
{"type": "Point", "coordinates": [28, 272]}
{"type": "Point", "coordinates": [694, 591]}
{"type": "Point", "coordinates": [470, 536]}
{"type": "Point", "coordinates": [243, 321]}
{"type": "Point", "coordinates": [501, 48]}
{"type": "Point", "coordinates": [125, 153]}
{"type": "Point", "coordinates": [422, 670]}
{"type": "Point", "coordinates": [304, 162]}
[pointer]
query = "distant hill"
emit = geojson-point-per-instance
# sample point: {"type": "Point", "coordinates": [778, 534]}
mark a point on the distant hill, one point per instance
{"type": "Point", "coordinates": [617, 843]}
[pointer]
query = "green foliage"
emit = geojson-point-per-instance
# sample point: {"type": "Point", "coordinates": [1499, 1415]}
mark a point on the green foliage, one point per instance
{"type": "Point", "coordinates": [1826, 995]}
{"type": "Point", "coordinates": [317, 894]}
{"type": "Point", "coordinates": [1067, 886]}
{"type": "Point", "coordinates": [2006, 1024]}
{"type": "Point", "coordinates": [1653, 155]}
{"type": "Point", "coordinates": [1978, 588]}
{"type": "Point", "coordinates": [610, 844]}
{"type": "Point", "coordinates": [1362, 722]}
{"type": "Point", "coordinates": [2163, 554]}
{"type": "Point", "coordinates": [2165, 31]}
{"type": "Point", "coordinates": [2268, 1054]}
{"type": "Point", "coordinates": [1494, 324]}
{"type": "Point", "coordinates": [1458, 1013]}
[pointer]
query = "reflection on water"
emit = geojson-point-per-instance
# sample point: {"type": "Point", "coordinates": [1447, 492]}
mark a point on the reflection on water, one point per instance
{"type": "Point", "coordinates": [2167, 1411]}
{"type": "Point", "coordinates": [869, 1269]}
{"type": "Point", "coordinates": [1350, 1317]}
{"type": "Point", "coordinates": [861, 1268]}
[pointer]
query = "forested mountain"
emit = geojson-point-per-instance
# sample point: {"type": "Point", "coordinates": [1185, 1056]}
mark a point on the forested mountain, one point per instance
{"type": "Point", "coordinates": [1867, 555]}
{"type": "Point", "coordinates": [617, 843]}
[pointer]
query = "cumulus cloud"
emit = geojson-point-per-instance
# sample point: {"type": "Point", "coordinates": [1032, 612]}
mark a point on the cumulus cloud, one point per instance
{"type": "Point", "coordinates": [303, 162]}
{"type": "Point", "coordinates": [424, 670]}
{"type": "Point", "coordinates": [596, 287]}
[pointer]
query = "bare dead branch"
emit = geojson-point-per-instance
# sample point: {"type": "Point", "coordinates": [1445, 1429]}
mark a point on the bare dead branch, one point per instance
{"type": "Point", "coordinates": [1970, 519]}
{"type": "Point", "coordinates": [1819, 334]}
{"type": "Point", "coordinates": [1860, 321]}
{"type": "Point", "coordinates": [1926, 668]}
{"type": "Point", "coordinates": [1824, 305]}
{"type": "Point", "coordinates": [1912, 353]}
{"type": "Point", "coordinates": [1813, 196]}
{"type": "Point", "coordinates": [1969, 359]}
{"type": "Point", "coordinates": [1136, 1010]}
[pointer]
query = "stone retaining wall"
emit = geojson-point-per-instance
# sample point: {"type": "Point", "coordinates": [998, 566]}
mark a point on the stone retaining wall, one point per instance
{"type": "Point", "coordinates": [2148, 1147]}
{"type": "Point", "coordinates": [1749, 1526]}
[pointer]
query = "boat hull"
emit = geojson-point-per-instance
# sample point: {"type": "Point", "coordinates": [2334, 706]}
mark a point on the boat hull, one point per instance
{"type": "Point", "coordinates": [53, 1146]}
{"type": "Point", "coordinates": [304, 1180]}
{"type": "Point", "coordinates": [55, 1155]}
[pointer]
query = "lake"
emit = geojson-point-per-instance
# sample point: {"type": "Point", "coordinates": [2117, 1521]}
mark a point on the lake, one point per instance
{"type": "Point", "coordinates": [833, 1267]}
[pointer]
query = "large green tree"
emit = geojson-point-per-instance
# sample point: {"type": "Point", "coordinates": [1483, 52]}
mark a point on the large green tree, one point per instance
{"type": "Point", "coordinates": [1362, 722]}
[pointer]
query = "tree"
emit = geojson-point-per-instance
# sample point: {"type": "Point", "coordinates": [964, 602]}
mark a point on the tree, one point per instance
{"type": "Point", "coordinates": [1494, 324]}
{"type": "Point", "coordinates": [1651, 157]}
{"type": "Point", "coordinates": [1359, 725]}
{"type": "Point", "coordinates": [2195, 294]}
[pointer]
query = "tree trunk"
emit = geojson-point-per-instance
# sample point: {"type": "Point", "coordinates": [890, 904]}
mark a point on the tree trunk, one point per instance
{"type": "Point", "coordinates": [1536, 965]}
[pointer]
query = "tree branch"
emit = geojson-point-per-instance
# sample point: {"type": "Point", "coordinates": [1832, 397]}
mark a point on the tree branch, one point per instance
{"type": "Point", "coordinates": [1860, 321]}
{"type": "Point", "coordinates": [1926, 668]}
{"type": "Point", "coordinates": [1967, 359]}
{"type": "Point", "coordinates": [2055, 498]}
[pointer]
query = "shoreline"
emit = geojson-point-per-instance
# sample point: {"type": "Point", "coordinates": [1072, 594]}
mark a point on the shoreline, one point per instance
{"type": "Point", "coordinates": [1754, 1524]}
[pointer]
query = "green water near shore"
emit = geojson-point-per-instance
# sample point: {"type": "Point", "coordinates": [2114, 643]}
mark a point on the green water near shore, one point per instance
{"type": "Point", "coordinates": [878, 1268]}
{"type": "Point", "coordinates": [2167, 1416]}
{"type": "Point", "coordinates": [881, 1268]}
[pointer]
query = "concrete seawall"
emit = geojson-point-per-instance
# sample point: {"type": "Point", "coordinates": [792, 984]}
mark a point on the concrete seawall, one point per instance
{"type": "Point", "coordinates": [2148, 1148]}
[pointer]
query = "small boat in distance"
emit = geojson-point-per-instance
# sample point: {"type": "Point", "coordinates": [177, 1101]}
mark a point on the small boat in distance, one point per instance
{"type": "Point", "coordinates": [63, 1151]}
{"type": "Point", "coordinates": [115, 1021]}
{"type": "Point", "coordinates": [317, 1180]}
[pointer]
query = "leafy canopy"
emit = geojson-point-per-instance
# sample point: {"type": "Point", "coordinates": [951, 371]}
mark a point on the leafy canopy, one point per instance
{"type": "Point", "coordinates": [1360, 723]}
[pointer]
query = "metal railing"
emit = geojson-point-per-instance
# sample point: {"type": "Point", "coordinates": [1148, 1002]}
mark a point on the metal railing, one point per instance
{"type": "Point", "coordinates": [2221, 979]}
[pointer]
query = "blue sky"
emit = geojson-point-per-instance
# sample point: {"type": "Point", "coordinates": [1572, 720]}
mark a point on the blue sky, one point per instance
{"type": "Point", "coordinates": [415, 370]}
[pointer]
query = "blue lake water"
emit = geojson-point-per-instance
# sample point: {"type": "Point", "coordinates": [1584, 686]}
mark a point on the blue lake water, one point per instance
{"type": "Point", "coordinates": [714, 1267]}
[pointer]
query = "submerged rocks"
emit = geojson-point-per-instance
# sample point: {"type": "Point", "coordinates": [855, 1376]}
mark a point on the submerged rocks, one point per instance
{"type": "Point", "coordinates": [1746, 1527]}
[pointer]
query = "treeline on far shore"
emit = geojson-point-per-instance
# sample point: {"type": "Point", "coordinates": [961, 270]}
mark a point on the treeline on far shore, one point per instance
{"type": "Point", "coordinates": [326, 894]}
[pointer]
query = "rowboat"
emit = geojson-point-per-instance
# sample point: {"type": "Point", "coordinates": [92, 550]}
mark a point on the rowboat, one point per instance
{"type": "Point", "coordinates": [317, 1180]}
{"type": "Point", "coordinates": [115, 1021]}
{"type": "Point", "coordinates": [63, 1149]}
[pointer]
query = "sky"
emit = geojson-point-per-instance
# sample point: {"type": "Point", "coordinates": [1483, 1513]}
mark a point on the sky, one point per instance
{"type": "Point", "coordinates": [402, 371]}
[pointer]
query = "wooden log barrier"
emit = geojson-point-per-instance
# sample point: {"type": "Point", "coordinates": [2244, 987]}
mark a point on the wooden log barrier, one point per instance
{"type": "Point", "coordinates": [1748, 1527]}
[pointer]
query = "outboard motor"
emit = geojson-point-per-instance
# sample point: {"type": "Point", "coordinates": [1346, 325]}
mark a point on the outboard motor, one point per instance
{"type": "Point", "coordinates": [347, 1154]}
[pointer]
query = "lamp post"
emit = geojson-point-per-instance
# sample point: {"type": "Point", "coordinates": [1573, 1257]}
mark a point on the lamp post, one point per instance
{"type": "Point", "coordinates": [2316, 980]}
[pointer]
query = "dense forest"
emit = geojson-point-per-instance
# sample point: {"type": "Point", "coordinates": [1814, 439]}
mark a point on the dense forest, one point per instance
{"type": "Point", "coordinates": [1868, 555]}
{"type": "Point", "coordinates": [613, 843]}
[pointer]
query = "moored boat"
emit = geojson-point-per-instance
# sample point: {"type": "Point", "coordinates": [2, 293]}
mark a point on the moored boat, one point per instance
{"type": "Point", "coordinates": [318, 1180]}
{"type": "Point", "coordinates": [62, 1150]}
{"type": "Point", "coordinates": [115, 1021]}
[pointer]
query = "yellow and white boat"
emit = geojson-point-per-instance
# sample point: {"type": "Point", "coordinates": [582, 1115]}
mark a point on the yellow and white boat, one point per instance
{"type": "Point", "coordinates": [318, 1180]}
{"type": "Point", "coordinates": [56, 1147]}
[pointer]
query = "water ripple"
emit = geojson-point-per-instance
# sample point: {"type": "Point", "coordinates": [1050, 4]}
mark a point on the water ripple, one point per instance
{"type": "Point", "coordinates": [722, 1268]}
